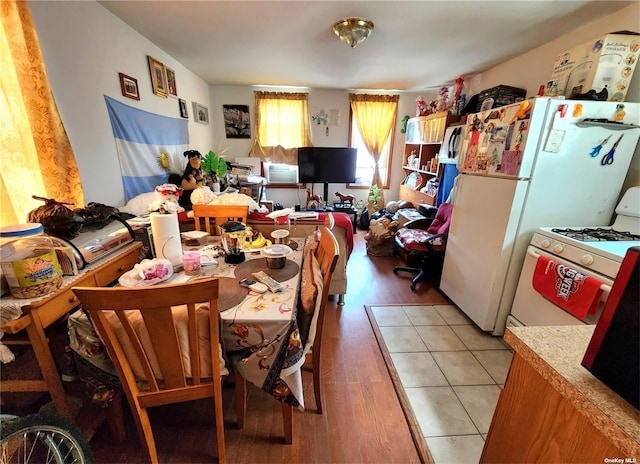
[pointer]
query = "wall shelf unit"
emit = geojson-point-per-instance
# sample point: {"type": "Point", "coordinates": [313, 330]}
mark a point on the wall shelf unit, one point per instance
{"type": "Point", "coordinates": [423, 139]}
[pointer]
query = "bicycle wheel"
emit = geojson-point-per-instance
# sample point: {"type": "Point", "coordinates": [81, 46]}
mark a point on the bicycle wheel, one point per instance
{"type": "Point", "coordinates": [42, 438]}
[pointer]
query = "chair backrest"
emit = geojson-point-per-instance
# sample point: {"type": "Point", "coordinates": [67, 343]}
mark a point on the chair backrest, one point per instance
{"type": "Point", "coordinates": [219, 214]}
{"type": "Point", "coordinates": [329, 221]}
{"type": "Point", "coordinates": [327, 256]}
{"type": "Point", "coordinates": [442, 221]}
{"type": "Point", "coordinates": [143, 331]}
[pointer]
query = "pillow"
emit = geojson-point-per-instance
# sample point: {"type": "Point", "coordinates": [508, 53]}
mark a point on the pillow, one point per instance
{"type": "Point", "coordinates": [310, 245]}
{"type": "Point", "coordinates": [310, 296]}
{"type": "Point", "coordinates": [204, 196]}
{"type": "Point", "coordinates": [317, 279]}
{"type": "Point", "coordinates": [139, 205]}
{"type": "Point", "coordinates": [440, 223]}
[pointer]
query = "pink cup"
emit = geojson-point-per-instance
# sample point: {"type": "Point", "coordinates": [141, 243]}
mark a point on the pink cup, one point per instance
{"type": "Point", "coordinates": [191, 263]}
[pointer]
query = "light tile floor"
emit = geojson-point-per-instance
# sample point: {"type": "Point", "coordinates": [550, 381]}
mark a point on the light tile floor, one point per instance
{"type": "Point", "coordinates": [452, 373]}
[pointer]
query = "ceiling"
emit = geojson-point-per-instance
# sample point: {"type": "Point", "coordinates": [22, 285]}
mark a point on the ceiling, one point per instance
{"type": "Point", "coordinates": [416, 45]}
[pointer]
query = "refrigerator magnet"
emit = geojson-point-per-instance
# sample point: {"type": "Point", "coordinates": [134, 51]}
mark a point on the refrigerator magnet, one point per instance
{"type": "Point", "coordinates": [556, 136]}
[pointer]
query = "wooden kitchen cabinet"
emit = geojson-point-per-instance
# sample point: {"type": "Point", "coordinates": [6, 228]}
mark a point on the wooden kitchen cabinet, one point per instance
{"type": "Point", "coordinates": [423, 139]}
{"type": "Point", "coordinates": [554, 410]}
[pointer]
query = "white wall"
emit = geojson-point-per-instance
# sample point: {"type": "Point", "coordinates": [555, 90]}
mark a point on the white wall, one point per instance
{"type": "Point", "coordinates": [533, 69]}
{"type": "Point", "coordinates": [337, 135]}
{"type": "Point", "coordinates": [85, 47]}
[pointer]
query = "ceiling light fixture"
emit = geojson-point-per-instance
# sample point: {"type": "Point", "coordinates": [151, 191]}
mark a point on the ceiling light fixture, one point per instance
{"type": "Point", "coordinates": [352, 31]}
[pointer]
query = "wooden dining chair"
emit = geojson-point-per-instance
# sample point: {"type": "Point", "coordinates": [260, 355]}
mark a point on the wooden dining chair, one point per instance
{"type": "Point", "coordinates": [156, 365]}
{"type": "Point", "coordinates": [329, 221]}
{"type": "Point", "coordinates": [219, 214]}
{"type": "Point", "coordinates": [327, 256]}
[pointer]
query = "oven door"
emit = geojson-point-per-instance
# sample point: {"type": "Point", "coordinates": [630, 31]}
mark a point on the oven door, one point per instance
{"type": "Point", "coordinates": [532, 309]}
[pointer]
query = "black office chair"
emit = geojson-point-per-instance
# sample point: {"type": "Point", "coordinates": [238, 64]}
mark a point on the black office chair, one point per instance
{"type": "Point", "coordinates": [423, 241]}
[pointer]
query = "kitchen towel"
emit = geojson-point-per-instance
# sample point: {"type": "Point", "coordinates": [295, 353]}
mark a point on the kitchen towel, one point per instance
{"type": "Point", "coordinates": [573, 291]}
{"type": "Point", "coordinates": [166, 237]}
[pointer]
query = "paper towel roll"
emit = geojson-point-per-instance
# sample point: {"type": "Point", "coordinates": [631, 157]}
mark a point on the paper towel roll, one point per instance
{"type": "Point", "coordinates": [166, 237]}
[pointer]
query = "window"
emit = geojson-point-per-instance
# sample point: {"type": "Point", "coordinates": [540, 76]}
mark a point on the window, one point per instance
{"type": "Point", "coordinates": [365, 163]}
{"type": "Point", "coordinates": [372, 133]}
{"type": "Point", "coordinates": [37, 158]}
{"type": "Point", "coordinates": [282, 125]}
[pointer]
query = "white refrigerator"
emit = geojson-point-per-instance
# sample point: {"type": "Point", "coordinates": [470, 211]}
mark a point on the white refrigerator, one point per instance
{"type": "Point", "coordinates": [543, 162]}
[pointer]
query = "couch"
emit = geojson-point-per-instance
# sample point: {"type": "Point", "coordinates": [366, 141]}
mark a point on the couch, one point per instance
{"type": "Point", "coordinates": [343, 230]}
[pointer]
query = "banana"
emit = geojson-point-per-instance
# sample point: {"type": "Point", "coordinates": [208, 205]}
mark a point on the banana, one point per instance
{"type": "Point", "coordinates": [259, 242]}
{"type": "Point", "coordinates": [268, 242]}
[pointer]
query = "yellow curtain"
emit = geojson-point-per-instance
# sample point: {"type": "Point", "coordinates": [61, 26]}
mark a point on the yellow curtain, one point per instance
{"type": "Point", "coordinates": [375, 116]}
{"type": "Point", "coordinates": [36, 156]}
{"type": "Point", "coordinates": [282, 125]}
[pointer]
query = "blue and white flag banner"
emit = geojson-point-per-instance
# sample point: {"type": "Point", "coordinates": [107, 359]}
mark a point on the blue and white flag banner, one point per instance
{"type": "Point", "coordinates": [149, 146]}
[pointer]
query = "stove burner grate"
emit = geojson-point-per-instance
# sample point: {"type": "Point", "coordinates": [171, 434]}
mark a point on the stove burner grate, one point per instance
{"type": "Point", "coordinates": [597, 234]}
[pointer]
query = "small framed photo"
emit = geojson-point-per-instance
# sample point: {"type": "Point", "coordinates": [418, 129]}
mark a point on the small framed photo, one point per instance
{"type": "Point", "coordinates": [158, 77]}
{"type": "Point", "coordinates": [129, 86]}
{"type": "Point", "coordinates": [171, 82]}
{"type": "Point", "coordinates": [200, 113]}
{"type": "Point", "coordinates": [183, 108]}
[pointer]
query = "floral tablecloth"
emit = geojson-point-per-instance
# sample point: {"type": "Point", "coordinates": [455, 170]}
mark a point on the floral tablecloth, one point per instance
{"type": "Point", "coordinates": [260, 335]}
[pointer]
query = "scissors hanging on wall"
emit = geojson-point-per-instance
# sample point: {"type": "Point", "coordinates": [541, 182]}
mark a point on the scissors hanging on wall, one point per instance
{"type": "Point", "coordinates": [608, 158]}
{"type": "Point", "coordinates": [595, 151]}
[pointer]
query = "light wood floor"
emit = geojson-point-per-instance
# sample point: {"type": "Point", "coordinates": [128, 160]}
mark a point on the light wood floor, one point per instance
{"type": "Point", "coordinates": [362, 419]}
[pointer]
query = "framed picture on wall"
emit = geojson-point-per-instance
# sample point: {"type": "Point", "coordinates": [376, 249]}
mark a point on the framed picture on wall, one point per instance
{"type": "Point", "coordinates": [158, 77]}
{"type": "Point", "coordinates": [129, 86]}
{"type": "Point", "coordinates": [200, 113]}
{"type": "Point", "coordinates": [172, 89]}
{"type": "Point", "coordinates": [236, 121]}
{"type": "Point", "coordinates": [183, 108]}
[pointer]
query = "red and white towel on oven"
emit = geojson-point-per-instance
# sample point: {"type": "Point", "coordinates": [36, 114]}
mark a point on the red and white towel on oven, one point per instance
{"type": "Point", "coordinates": [573, 291]}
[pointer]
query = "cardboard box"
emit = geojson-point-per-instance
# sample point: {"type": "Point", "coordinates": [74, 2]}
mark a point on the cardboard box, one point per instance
{"type": "Point", "coordinates": [607, 61]}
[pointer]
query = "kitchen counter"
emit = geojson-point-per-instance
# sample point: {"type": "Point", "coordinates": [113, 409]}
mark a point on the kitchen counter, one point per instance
{"type": "Point", "coordinates": [554, 410]}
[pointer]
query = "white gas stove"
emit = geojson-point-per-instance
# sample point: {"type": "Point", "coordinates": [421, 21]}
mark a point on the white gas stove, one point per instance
{"type": "Point", "coordinates": [593, 251]}
{"type": "Point", "coordinates": [598, 248]}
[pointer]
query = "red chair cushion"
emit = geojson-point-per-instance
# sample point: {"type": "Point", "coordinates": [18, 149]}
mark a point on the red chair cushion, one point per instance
{"type": "Point", "coordinates": [413, 240]}
{"type": "Point", "coordinates": [440, 224]}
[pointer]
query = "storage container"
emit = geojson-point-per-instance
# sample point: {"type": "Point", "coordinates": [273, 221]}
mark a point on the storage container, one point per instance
{"type": "Point", "coordinates": [607, 62]}
{"type": "Point", "coordinates": [28, 261]}
{"type": "Point", "coordinates": [500, 95]}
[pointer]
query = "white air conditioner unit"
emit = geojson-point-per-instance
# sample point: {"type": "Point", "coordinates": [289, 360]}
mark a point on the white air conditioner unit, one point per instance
{"type": "Point", "coordinates": [281, 173]}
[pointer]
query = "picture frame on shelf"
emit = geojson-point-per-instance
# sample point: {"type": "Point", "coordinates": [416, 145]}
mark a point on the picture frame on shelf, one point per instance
{"type": "Point", "coordinates": [158, 77]}
{"type": "Point", "coordinates": [414, 181]}
{"type": "Point", "coordinates": [129, 86]}
{"type": "Point", "coordinates": [200, 113]}
{"type": "Point", "coordinates": [183, 108]}
{"type": "Point", "coordinates": [172, 88]}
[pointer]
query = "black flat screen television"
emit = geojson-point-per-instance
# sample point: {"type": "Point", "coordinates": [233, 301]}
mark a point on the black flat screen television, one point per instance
{"type": "Point", "coordinates": [327, 165]}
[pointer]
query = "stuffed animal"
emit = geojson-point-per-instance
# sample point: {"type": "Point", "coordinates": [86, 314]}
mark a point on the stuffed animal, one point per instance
{"type": "Point", "coordinates": [421, 107]}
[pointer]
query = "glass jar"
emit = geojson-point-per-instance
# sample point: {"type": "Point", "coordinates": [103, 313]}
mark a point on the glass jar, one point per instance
{"type": "Point", "coordinates": [28, 260]}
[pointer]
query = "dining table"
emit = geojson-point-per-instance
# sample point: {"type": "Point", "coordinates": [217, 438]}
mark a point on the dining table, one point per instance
{"type": "Point", "coordinates": [259, 331]}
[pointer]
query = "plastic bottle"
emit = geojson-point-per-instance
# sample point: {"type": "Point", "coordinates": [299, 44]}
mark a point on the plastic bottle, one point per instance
{"type": "Point", "coordinates": [28, 260]}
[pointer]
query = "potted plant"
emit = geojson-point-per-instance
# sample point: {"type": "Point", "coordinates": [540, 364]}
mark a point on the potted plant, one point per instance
{"type": "Point", "coordinates": [215, 168]}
